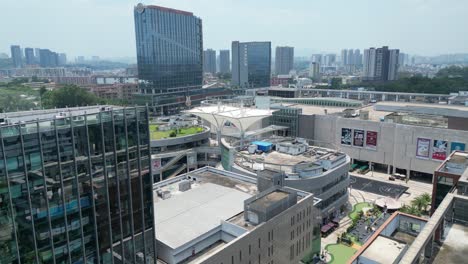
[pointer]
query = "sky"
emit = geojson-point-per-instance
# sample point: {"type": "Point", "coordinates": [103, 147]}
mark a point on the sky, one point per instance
{"type": "Point", "coordinates": [106, 28]}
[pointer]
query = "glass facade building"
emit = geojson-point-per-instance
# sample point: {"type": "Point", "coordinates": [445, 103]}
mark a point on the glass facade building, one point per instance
{"type": "Point", "coordinates": [169, 53]}
{"type": "Point", "coordinates": [76, 187]}
{"type": "Point", "coordinates": [251, 64]}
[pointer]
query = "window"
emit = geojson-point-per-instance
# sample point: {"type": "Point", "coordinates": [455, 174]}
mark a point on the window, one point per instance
{"type": "Point", "coordinates": [240, 255]}
{"type": "Point", "coordinates": [250, 249]}
{"type": "Point", "coordinates": [232, 259]}
{"type": "Point", "coordinates": [291, 252]}
{"type": "Point", "coordinates": [259, 243]}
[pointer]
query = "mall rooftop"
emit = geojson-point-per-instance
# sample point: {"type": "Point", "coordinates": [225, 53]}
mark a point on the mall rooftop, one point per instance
{"type": "Point", "coordinates": [49, 114]}
{"type": "Point", "coordinates": [289, 155]}
{"type": "Point", "coordinates": [194, 207]}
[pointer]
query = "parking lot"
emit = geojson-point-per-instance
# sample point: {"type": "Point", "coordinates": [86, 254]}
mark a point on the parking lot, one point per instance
{"type": "Point", "coordinates": [377, 187]}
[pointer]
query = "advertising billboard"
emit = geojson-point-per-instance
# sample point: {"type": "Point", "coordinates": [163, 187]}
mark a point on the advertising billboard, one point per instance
{"type": "Point", "coordinates": [358, 138]}
{"type": "Point", "coordinates": [439, 150]}
{"type": "Point", "coordinates": [457, 146]}
{"type": "Point", "coordinates": [371, 139]}
{"type": "Point", "coordinates": [346, 136]}
{"type": "Point", "coordinates": [422, 148]}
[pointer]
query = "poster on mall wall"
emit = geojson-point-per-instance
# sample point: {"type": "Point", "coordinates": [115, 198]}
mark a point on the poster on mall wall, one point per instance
{"type": "Point", "coordinates": [457, 146]}
{"type": "Point", "coordinates": [439, 150]}
{"type": "Point", "coordinates": [156, 163]}
{"type": "Point", "coordinates": [358, 138]}
{"type": "Point", "coordinates": [346, 136]}
{"type": "Point", "coordinates": [371, 139]}
{"type": "Point", "coordinates": [422, 148]}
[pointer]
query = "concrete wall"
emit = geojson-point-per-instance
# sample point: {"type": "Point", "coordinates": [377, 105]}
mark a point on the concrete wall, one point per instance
{"type": "Point", "coordinates": [273, 240]}
{"type": "Point", "coordinates": [396, 143]}
{"type": "Point", "coordinates": [306, 126]}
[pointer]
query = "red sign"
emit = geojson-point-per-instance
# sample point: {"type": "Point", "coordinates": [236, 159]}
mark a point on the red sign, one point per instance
{"type": "Point", "coordinates": [371, 139]}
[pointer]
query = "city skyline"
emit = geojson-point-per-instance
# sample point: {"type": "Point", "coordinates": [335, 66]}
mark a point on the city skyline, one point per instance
{"type": "Point", "coordinates": [90, 27]}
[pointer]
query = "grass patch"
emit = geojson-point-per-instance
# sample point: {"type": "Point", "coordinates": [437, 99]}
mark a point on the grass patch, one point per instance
{"type": "Point", "coordinates": [156, 134]}
{"type": "Point", "coordinates": [340, 254]}
{"type": "Point", "coordinates": [357, 208]}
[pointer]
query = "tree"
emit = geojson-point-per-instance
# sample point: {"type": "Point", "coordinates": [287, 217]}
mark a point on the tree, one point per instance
{"type": "Point", "coordinates": [419, 203]}
{"type": "Point", "coordinates": [69, 96]}
{"type": "Point", "coordinates": [335, 83]}
{"type": "Point", "coordinates": [412, 210]}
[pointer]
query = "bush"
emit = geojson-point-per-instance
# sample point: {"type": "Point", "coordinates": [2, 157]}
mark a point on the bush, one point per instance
{"type": "Point", "coordinates": [173, 134]}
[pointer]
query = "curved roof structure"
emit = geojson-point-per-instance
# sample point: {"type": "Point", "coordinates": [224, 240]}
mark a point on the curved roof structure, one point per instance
{"type": "Point", "coordinates": [241, 117]}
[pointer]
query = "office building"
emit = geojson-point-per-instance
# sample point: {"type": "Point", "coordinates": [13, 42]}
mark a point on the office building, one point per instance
{"type": "Point", "coordinates": [344, 57]}
{"type": "Point", "coordinates": [37, 55]}
{"type": "Point", "coordinates": [212, 216]}
{"type": "Point", "coordinates": [314, 71]}
{"type": "Point", "coordinates": [16, 56]}
{"type": "Point", "coordinates": [350, 60]}
{"type": "Point", "coordinates": [75, 186]}
{"type": "Point", "coordinates": [381, 64]}
{"type": "Point", "coordinates": [251, 64]}
{"type": "Point", "coordinates": [62, 59]}
{"type": "Point", "coordinates": [170, 56]}
{"type": "Point", "coordinates": [29, 56]}
{"type": "Point", "coordinates": [316, 58]}
{"type": "Point", "coordinates": [48, 58]}
{"type": "Point", "coordinates": [224, 61]}
{"type": "Point", "coordinates": [329, 59]}
{"type": "Point", "coordinates": [284, 60]}
{"type": "Point", "coordinates": [209, 61]}
{"type": "Point", "coordinates": [357, 57]}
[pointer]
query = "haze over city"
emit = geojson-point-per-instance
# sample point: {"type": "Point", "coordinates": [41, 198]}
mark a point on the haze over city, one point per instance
{"type": "Point", "coordinates": [106, 27]}
{"type": "Point", "coordinates": [233, 131]}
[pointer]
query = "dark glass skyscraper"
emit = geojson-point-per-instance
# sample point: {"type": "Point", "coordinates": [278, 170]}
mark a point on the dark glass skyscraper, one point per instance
{"type": "Point", "coordinates": [29, 55]}
{"type": "Point", "coordinates": [224, 61]}
{"type": "Point", "coordinates": [16, 56]}
{"type": "Point", "coordinates": [251, 64]}
{"type": "Point", "coordinates": [75, 186]}
{"type": "Point", "coordinates": [169, 54]}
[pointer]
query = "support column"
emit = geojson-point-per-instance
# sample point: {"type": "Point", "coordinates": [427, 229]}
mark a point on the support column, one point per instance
{"type": "Point", "coordinates": [428, 249]}
{"type": "Point", "coordinates": [388, 169]}
{"type": "Point", "coordinates": [394, 170]}
{"type": "Point", "coordinates": [397, 98]}
{"type": "Point", "coordinates": [408, 172]}
{"type": "Point", "coordinates": [347, 95]}
{"type": "Point", "coordinates": [383, 97]}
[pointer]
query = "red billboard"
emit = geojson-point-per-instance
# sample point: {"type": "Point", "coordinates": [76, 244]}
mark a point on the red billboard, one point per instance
{"type": "Point", "coordinates": [371, 139]}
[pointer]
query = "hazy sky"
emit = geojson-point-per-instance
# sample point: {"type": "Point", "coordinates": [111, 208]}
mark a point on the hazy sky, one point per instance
{"type": "Point", "coordinates": [106, 28]}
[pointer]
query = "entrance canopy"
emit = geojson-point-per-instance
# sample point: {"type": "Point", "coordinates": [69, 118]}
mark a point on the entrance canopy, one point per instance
{"type": "Point", "coordinates": [241, 117]}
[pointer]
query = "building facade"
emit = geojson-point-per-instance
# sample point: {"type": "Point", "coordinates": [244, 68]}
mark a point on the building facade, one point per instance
{"type": "Point", "coordinates": [29, 56]}
{"type": "Point", "coordinates": [48, 58]}
{"type": "Point", "coordinates": [209, 61]}
{"type": "Point", "coordinates": [251, 64]}
{"type": "Point", "coordinates": [16, 56]}
{"type": "Point", "coordinates": [76, 187]}
{"type": "Point", "coordinates": [381, 64]}
{"type": "Point", "coordinates": [224, 61]}
{"type": "Point", "coordinates": [284, 60]}
{"type": "Point", "coordinates": [169, 54]}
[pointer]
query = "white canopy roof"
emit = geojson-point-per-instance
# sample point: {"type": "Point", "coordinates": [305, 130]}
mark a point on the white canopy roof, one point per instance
{"type": "Point", "coordinates": [217, 115]}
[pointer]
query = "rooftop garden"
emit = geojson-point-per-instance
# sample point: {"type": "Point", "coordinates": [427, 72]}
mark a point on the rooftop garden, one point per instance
{"type": "Point", "coordinates": [173, 133]}
{"type": "Point", "coordinates": [339, 253]}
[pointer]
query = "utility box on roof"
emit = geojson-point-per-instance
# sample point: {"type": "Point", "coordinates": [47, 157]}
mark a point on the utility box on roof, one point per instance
{"type": "Point", "coordinates": [263, 146]}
